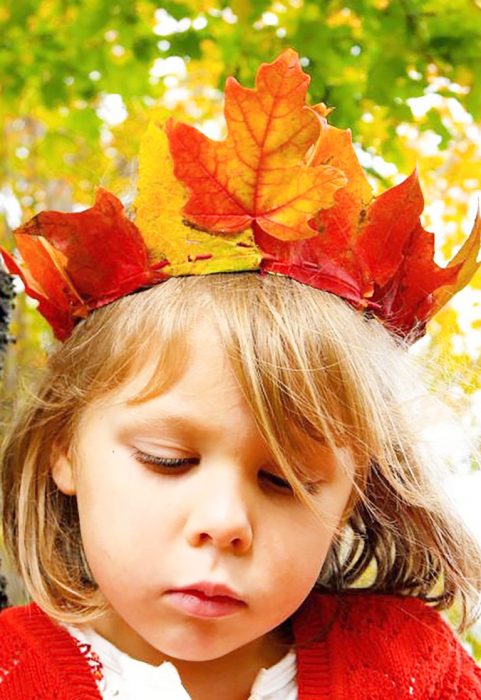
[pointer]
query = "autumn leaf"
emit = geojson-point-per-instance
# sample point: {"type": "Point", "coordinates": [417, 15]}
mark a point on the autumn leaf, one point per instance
{"type": "Point", "coordinates": [158, 214]}
{"type": "Point", "coordinates": [406, 301]}
{"type": "Point", "coordinates": [73, 263]}
{"type": "Point", "coordinates": [334, 147]}
{"type": "Point", "coordinates": [257, 175]}
{"type": "Point", "coordinates": [327, 261]}
{"type": "Point", "coordinates": [409, 286]}
{"type": "Point", "coordinates": [465, 261]}
{"type": "Point", "coordinates": [374, 252]}
{"type": "Point", "coordinates": [48, 285]}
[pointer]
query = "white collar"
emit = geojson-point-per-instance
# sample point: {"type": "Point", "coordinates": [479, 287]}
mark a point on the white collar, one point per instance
{"type": "Point", "coordinates": [121, 671]}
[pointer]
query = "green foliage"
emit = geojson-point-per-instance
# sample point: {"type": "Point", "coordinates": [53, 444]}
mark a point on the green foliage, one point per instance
{"type": "Point", "coordinates": [361, 52]}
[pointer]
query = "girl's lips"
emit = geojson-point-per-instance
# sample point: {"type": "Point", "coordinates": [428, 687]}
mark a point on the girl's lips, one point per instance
{"type": "Point", "coordinates": [210, 589]}
{"type": "Point", "coordinates": [199, 604]}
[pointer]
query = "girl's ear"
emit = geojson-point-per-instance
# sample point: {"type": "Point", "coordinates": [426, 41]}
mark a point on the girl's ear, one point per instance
{"type": "Point", "coordinates": [63, 472]}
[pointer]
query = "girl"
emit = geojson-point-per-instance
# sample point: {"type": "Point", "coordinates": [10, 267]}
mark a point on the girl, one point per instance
{"type": "Point", "coordinates": [221, 489]}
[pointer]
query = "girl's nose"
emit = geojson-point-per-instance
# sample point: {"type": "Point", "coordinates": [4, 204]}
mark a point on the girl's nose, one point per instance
{"type": "Point", "coordinates": [220, 517]}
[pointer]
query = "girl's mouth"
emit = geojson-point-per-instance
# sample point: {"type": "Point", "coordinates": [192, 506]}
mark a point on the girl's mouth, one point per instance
{"type": "Point", "coordinates": [205, 601]}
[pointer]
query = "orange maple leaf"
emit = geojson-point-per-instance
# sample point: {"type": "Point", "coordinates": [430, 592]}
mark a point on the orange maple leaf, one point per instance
{"type": "Point", "coordinates": [258, 174]}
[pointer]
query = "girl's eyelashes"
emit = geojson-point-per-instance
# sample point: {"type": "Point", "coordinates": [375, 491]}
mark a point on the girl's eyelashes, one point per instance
{"type": "Point", "coordinates": [170, 465]}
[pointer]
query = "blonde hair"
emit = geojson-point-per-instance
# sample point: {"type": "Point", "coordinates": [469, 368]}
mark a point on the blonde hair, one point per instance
{"type": "Point", "coordinates": [307, 363]}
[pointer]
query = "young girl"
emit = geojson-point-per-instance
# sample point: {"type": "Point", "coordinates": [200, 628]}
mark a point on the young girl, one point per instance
{"type": "Point", "coordinates": [222, 489]}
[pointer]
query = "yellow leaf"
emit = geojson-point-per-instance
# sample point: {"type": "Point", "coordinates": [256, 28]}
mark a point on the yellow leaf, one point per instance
{"type": "Point", "coordinates": [158, 206]}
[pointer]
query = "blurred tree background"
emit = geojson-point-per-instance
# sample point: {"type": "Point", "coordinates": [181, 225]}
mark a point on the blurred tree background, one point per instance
{"type": "Point", "coordinates": [80, 80]}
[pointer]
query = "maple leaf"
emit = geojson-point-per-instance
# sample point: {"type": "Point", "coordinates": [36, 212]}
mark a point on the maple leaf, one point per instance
{"type": "Point", "coordinates": [409, 287]}
{"type": "Point", "coordinates": [258, 174]}
{"type": "Point", "coordinates": [158, 215]}
{"type": "Point", "coordinates": [327, 261]}
{"type": "Point", "coordinates": [465, 261]}
{"type": "Point", "coordinates": [373, 252]}
{"type": "Point", "coordinates": [73, 263]}
{"type": "Point", "coordinates": [421, 288]}
{"type": "Point", "coordinates": [48, 286]}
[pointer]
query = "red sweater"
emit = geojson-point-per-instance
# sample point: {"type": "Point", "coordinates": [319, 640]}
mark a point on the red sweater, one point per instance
{"type": "Point", "coordinates": [352, 647]}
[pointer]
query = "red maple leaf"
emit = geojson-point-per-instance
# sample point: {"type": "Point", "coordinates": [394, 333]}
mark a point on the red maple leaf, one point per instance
{"type": "Point", "coordinates": [373, 252]}
{"type": "Point", "coordinates": [73, 263]}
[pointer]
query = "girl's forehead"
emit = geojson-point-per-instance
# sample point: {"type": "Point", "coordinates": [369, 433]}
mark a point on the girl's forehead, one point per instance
{"type": "Point", "coordinates": [206, 374]}
{"type": "Point", "coordinates": [205, 390]}
{"type": "Point", "coordinates": [196, 362]}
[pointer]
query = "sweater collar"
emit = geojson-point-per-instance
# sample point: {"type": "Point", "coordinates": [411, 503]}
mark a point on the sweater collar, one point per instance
{"type": "Point", "coordinates": [63, 659]}
{"type": "Point", "coordinates": [311, 625]}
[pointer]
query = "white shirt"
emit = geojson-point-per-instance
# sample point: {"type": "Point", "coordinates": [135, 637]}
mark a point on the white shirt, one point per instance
{"type": "Point", "coordinates": [125, 678]}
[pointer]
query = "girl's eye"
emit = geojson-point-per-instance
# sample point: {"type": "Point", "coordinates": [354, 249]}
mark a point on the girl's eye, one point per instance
{"type": "Point", "coordinates": [276, 481]}
{"type": "Point", "coordinates": [166, 463]}
{"type": "Point", "coordinates": [170, 465]}
{"type": "Point", "coordinates": [310, 487]}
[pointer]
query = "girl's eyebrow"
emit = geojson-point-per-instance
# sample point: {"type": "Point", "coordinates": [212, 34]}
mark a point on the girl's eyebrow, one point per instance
{"type": "Point", "coordinates": [168, 419]}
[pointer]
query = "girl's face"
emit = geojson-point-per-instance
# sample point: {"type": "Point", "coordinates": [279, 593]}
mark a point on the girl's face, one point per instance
{"type": "Point", "coordinates": [219, 514]}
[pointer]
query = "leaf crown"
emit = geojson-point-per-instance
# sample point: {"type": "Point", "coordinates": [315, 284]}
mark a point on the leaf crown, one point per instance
{"type": "Point", "coordinates": [284, 193]}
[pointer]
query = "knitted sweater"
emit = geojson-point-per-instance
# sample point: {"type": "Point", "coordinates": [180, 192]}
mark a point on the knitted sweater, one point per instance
{"type": "Point", "coordinates": [352, 647]}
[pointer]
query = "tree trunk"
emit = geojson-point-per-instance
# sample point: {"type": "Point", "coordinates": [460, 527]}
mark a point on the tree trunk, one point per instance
{"type": "Point", "coordinates": [6, 301]}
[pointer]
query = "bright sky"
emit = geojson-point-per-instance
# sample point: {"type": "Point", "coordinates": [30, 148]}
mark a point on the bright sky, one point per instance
{"type": "Point", "coordinates": [465, 492]}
